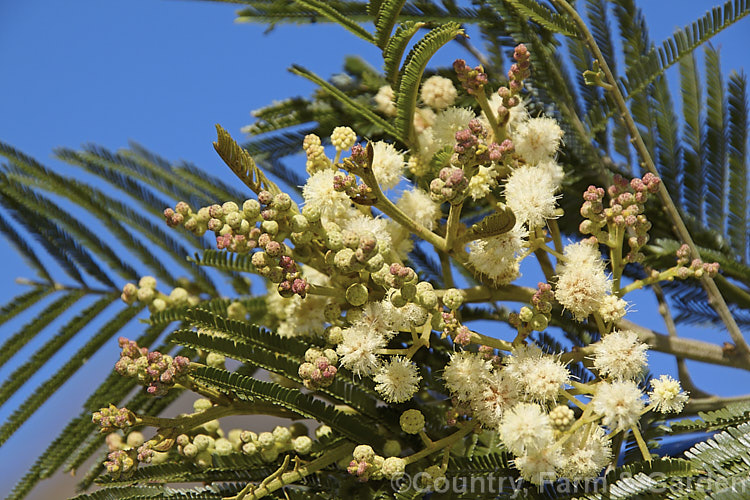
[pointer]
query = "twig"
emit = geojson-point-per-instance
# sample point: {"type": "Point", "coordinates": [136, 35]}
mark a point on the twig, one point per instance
{"type": "Point", "coordinates": [682, 370]}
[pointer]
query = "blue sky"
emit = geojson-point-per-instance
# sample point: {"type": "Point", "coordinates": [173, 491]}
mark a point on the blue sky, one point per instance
{"type": "Point", "coordinates": [162, 73]}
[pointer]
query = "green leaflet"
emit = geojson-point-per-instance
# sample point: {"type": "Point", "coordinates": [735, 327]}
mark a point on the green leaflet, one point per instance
{"type": "Point", "coordinates": [542, 15]}
{"type": "Point", "coordinates": [410, 75]}
{"type": "Point", "coordinates": [242, 164]}
{"type": "Point", "coordinates": [395, 48]}
{"type": "Point", "coordinates": [354, 106]}
{"type": "Point", "coordinates": [306, 406]}
{"type": "Point", "coordinates": [385, 19]}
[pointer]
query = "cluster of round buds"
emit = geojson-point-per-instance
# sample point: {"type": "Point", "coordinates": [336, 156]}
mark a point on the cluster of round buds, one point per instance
{"type": "Point", "coordinates": [359, 192]}
{"type": "Point", "coordinates": [694, 268]}
{"type": "Point", "coordinates": [121, 463]}
{"type": "Point", "coordinates": [146, 293]}
{"type": "Point", "coordinates": [269, 445]}
{"type": "Point", "coordinates": [319, 368]}
{"type": "Point", "coordinates": [460, 334]}
{"type": "Point", "coordinates": [561, 417]}
{"type": "Point", "coordinates": [182, 214]}
{"type": "Point", "coordinates": [450, 185]}
{"type": "Point", "coordinates": [535, 318]}
{"type": "Point", "coordinates": [367, 465]}
{"type": "Point", "coordinates": [112, 418]}
{"type": "Point", "coordinates": [343, 138]}
{"type": "Point", "coordinates": [350, 252]}
{"type": "Point", "coordinates": [200, 447]}
{"type": "Point", "coordinates": [316, 155]}
{"type": "Point", "coordinates": [472, 149]}
{"type": "Point", "coordinates": [157, 371]}
{"type": "Point", "coordinates": [625, 212]}
{"type": "Point", "coordinates": [521, 70]}
{"type": "Point", "coordinates": [472, 80]}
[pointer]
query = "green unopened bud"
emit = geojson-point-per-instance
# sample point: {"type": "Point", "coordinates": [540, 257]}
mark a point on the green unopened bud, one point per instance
{"type": "Point", "coordinates": [202, 404]}
{"type": "Point", "coordinates": [397, 299]}
{"type": "Point", "coordinates": [311, 213]}
{"type": "Point", "coordinates": [251, 209]}
{"type": "Point", "coordinates": [146, 294]}
{"type": "Point", "coordinates": [393, 467]}
{"type": "Point", "coordinates": [539, 322]}
{"type": "Point", "coordinates": [525, 314]}
{"type": "Point", "coordinates": [427, 299]}
{"type": "Point", "coordinates": [302, 445]}
{"type": "Point", "coordinates": [392, 448]}
{"type": "Point", "coordinates": [375, 263]}
{"type": "Point", "coordinates": [453, 298]}
{"type": "Point", "coordinates": [334, 335]}
{"type": "Point", "coordinates": [412, 421]}
{"type": "Point", "coordinates": [230, 207]}
{"type": "Point", "coordinates": [215, 360]}
{"type": "Point", "coordinates": [266, 440]}
{"type": "Point", "coordinates": [363, 453]}
{"type": "Point", "coordinates": [135, 439]}
{"type": "Point", "coordinates": [345, 260]}
{"type": "Point", "coordinates": [409, 291]}
{"type": "Point", "coordinates": [357, 294]}
{"type": "Point", "coordinates": [147, 282]}
{"type": "Point", "coordinates": [334, 240]}
{"type": "Point", "coordinates": [223, 447]}
{"type": "Point", "coordinates": [300, 223]}
{"type": "Point", "coordinates": [202, 442]}
{"type": "Point", "coordinates": [270, 226]}
{"type": "Point", "coordinates": [249, 449]}
{"type": "Point", "coordinates": [190, 450]}
{"type": "Point", "coordinates": [158, 305]}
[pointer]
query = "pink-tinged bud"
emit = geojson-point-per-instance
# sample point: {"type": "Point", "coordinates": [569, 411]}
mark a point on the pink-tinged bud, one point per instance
{"type": "Point", "coordinates": [182, 208]}
{"type": "Point", "coordinates": [265, 197]}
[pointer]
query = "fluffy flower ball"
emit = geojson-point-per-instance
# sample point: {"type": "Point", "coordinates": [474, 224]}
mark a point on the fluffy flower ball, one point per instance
{"type": "Point", "coordinates": [463, 374]}
{"type": "Point", "coordinates": [526, 428]}
{"type": "Point", "coordinates": [358, 350]}
{"type": "Point", "coordinates": [397, 380]}
{"type": "Point", "coordinates": [384, 101]}
{"type": "Point", "coordinates": [620, 355]}
{"type": "Point", "coordinates": [537, 139]}
{"type": "Point", "coordinates": [438, 92]}
{"type": "Point", "coordinates": [666, 395]}
{"type": "Point", "coordinates": [387, 164]}
{"type": "Point", "coordinates": [418, 205]}
{"type": "Point", "coordinates": [582, 284]}
{"type": "Point", "coordinates": [530, 193]}
{"type": "Point", "coordinates": [496, 257]}
{"type": "Point", "coordinates": [619, 403]}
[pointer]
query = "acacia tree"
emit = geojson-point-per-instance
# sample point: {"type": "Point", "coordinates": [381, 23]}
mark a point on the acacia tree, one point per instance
{"type": "Point", "coordinates": [426, 191]}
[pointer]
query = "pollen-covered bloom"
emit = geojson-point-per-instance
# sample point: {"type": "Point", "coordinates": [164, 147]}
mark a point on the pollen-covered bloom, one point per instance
{"type": "Point", "coordinates": [667, 395]}
{"type": "Point", "coordinates": [539, 377]}
{"type": "Point", "coordinates": [397, 380]}
{"type": "Point", "coordinates": [586, 453]}
{"type": "Point", "coordinates": [387, 164]}
{"type": "Point", "coordinates": [482, 182]}
{"type": "Point", "coordinates": [540, 466]}
{"type": "Point", "coordinates": [537, 139]}
{"type": "Point", "coordinates": [320, 196]}
{"type": "Point", "coordinates": [438, 92]}
{"type": "Point", "coordinates": [526, 428]}
{"type": "Point", "coordinates": [530, 194]}
{"type": "Point", "coordinates": [384, 101]}
{"type": "Point", "coordinates": [494, 394]}
{"type": "Point", "coordinates": [620, 355]}
{"type": "Point", "coordinates": [418, 205]}
{"type": "Point", "coordinates": [497, 257]}
{"type": "Point", "coordinates": [619, 403]}
{"type": "Point", "coordinates": [358, 350]}
{"type": "Point", "coordinates": [582, 284]}
{"type": "Point", "coordinates": [464, 373]}
{"type": "Point", "coordinates": [448, 122]}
